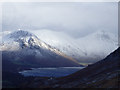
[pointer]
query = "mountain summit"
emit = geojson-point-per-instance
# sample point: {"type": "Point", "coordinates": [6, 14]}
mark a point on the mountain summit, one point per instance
{"type": "Point", "coordinates": [23, 47]}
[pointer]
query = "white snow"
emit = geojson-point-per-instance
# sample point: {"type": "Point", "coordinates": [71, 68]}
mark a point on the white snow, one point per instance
{"type": "Point", "coordinates": [95, 46]}
{"type": "Point", "coordinates": [90, 48]}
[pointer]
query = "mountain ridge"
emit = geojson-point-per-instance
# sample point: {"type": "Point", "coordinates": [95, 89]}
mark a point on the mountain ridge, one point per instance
{"type": "Point", "coordinates": [81, 49]}
{"type": "Point", "coordinates": [90, 47]}
{"type": "Point", "coordinates": [28, 45]}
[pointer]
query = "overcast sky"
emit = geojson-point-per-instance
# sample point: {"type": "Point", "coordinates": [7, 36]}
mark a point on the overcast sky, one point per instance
{"type": "Point", "coordinates": [75, 19]}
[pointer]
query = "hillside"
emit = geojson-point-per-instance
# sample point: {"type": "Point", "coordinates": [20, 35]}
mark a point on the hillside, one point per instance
{"type": "Point", "coordinates": [87, 49]}
{"type": "Point", "coordinates": [102, 74]}
{"type": "Point", "coordinates": [24, 48]}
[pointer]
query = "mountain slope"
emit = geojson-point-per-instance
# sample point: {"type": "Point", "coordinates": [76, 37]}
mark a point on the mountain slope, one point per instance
{"type": "Point", "coordinates": [99, 74]}
{"type": "Point", "coordinates": [98, 45]}
{"type": "Point", "coordinates": [24, 48]}
{"type": "Point", "coordinates": [102, 74]}
{"type": "Point", "coordinates": [88, 49]}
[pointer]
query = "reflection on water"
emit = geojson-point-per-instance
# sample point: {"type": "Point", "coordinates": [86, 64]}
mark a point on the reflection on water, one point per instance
{"type": "Point", "coordinates": [50, 72]}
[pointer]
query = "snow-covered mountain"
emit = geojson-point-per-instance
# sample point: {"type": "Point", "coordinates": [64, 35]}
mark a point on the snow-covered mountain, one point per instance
{"type": "Point", "coordinates": [25, 47]}
{"type": "Point", "coordinates": [99, 44]}
{"type": "Point", "coordinates": [88, 49]}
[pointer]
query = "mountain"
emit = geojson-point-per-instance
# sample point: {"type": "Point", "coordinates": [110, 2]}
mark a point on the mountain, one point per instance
{"type": "Point", "coordinates": [98, 45]}
{"type": "Point", "coordinates": [102, 74]}
{"type": "Point", "coordinates": [87, 49]}
{"type": "Point", "coordinates": [24, 48]}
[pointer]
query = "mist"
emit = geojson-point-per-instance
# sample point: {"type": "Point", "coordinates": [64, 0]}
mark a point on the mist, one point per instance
{"type": "Point", "coordinates": [75, 19]}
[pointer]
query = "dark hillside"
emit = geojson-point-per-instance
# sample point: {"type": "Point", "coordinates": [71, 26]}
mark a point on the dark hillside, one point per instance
{"type": "Point", "coordinates": [102, 74]}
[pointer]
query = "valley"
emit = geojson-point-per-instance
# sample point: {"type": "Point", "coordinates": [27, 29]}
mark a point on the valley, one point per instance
{"type": "Point", "coordinates": [40, 65]}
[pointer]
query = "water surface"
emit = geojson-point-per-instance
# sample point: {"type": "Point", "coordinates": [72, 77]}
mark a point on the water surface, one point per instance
{"type": "Point", "coordinates": [50, 72]}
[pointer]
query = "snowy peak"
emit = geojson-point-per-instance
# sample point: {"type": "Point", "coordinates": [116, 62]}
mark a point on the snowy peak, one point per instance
{"type": "Point", "coordinates": [20, 34]}
{"type": "Point", "coordinates": [29, 44]}
{"type": "Point", "coordinates": [89, 48]}
{"type": "Point", "coordinates": [19, 39]}
{"type": "Point", "coordinates": [23, 38]}
{"type": "Point", "coordinates": [102, 35]}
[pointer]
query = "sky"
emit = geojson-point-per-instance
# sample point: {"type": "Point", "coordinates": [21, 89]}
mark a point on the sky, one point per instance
{"type": "Point", "coordinates": [76, 19]}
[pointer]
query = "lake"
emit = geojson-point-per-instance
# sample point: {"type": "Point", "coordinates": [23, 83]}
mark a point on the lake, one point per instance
{"type": "Point", "coordinates": [50, 72]}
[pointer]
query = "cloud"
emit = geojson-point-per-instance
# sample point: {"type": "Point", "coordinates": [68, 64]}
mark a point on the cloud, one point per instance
{"type": "Point", "coordinates": [76, 19]}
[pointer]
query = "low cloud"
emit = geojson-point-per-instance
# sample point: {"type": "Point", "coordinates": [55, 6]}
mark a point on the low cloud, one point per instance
{"type": "Point", "coordinates": [75, 19]}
